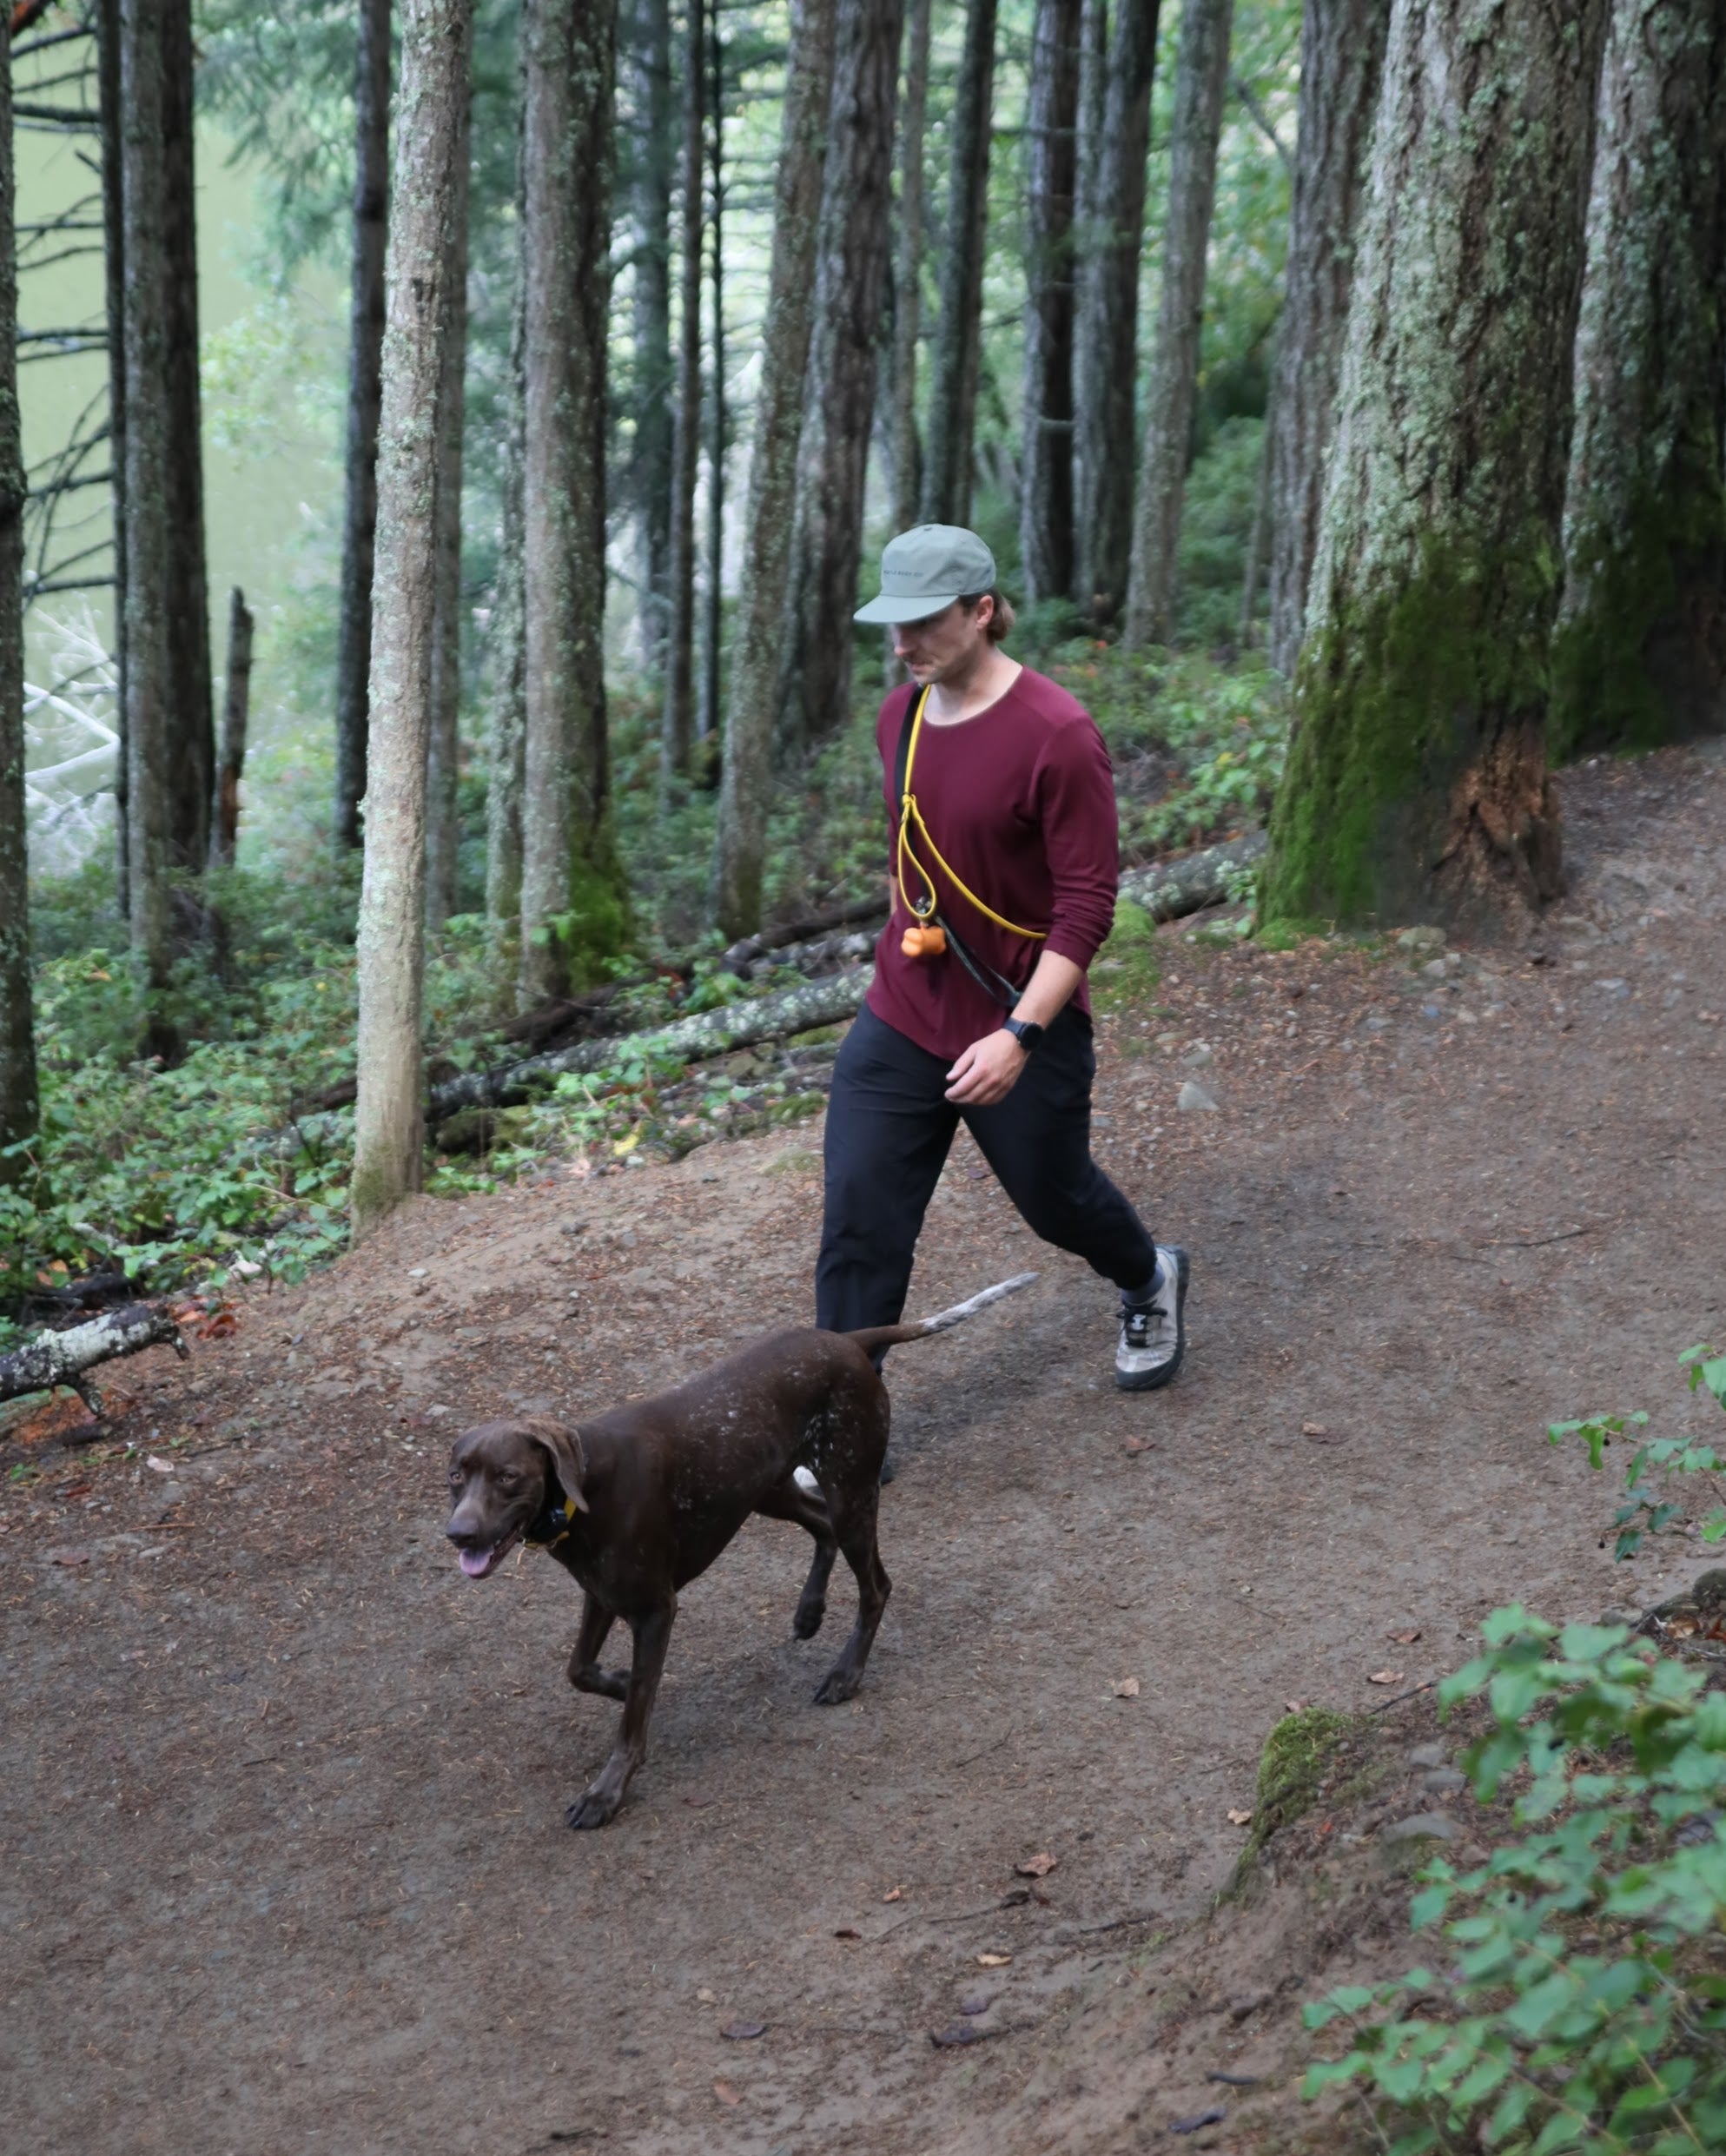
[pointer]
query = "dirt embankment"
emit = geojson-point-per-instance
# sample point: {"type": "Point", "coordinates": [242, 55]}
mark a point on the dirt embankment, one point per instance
{"type": "Point", "coordinates": [284, 1799]}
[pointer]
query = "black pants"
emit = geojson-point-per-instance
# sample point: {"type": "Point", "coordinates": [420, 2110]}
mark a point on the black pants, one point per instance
{"type": "Point", "coordinates": [888, 1129]}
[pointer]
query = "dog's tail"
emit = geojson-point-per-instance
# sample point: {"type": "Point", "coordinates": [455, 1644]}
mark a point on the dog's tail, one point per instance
{"type": "Point", "coordinates": [874, 1338]}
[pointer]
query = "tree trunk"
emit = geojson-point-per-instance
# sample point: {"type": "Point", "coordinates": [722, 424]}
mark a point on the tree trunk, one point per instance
{"type": "Point", "coordinates": [1640, 653]}
{"type": "Point", "coordinates": [1416, 782]}
{"type": "Point", "coordinates": [190, 777]}
{"type": "Point", "coordinates": [650, 239]}
{"type": "Point", "coordinates": [713, 619]}
{"type": "Point", "coordinates": [953, 390]}
{"type": "Point", "coordinates": [388, 1132]}
{"type": "Point", "coordinates": [365, 346]}
{"type": "Point", "coordinates": [839, 390]}
{"type": "Point", "coordinates": [746, 783]}
{"type": "Point", "coordinates": [508, 730]}
{"type": "Point", "coordinates": [235, 713]}
{"type": "Point", "coordinates": [1342, 52]}
{"type": "Point", "coordinates": [675, 718]}
{"type": "Point", "coordinates": [569, 895]}
{"type": "Point", "coordinates": [1201, 80]}
{"type": "Point", "coordinates": [17, 1030]}
{"type": "Point", "coordinates": [1046, 477]}
{"type": "Point", "coordinates": [143, 194]}
{"type": "Point", "coordinates": [106, 16]}
{"type": "Point", "coordinates": [443, 772]}
{"type": "Point", "coordinates": [1111, 234]}
{"type": "Point", "coordinates": [1257, 537]}
{"type": "Point", "coordinates": [906, 450]}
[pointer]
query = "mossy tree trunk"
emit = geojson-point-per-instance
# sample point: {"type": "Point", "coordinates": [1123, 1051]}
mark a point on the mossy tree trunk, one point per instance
{"type": "Point", "coordinates": [907, 445]}
{"type": "Point", "coordinates": [839, 388]}
{"type": "Point", "coordinates": [570, 902]}
{"type": "Point", "coordinates": [653, 152]}
{"type": "Point", "coordinates": [1201, 78]}
{"type": "Point", "coordinates": [106, 18]}
{"type": "Point", "coordinates": [1640, 652]}
{"type": "Point", "coordinates": [18, 1031]}
{"type": "Point", "coordinates": [1046, 459]}
{"type": "Point", "coordinates": [236, 718]}
{"type": "Point", "coordinates": [1117, 66]}
{"type": "Point", "coordinates": [443, 760]}
{"type": "Point", "coordinates": [365, 348]}
{"type": "Point", "coordinates": [746, 784]}
{"type": "Point", "coordinates": [1342, 51]}
{"type": "Point", "coordinates": [506, 730]}
{"type": "Point", "coordinates": [946, 494]}
{"type": "Point", "coordinates": [1416, 782]}
{"type": "Point", "coordinates": [388, 1126]}
{"type": "Point", "coordinates": [190, 776]}
{"type": "Point", "coordinates": [677, 715]}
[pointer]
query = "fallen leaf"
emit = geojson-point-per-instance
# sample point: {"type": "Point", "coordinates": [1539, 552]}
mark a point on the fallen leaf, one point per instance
{"type": "Point", "coordinates": [1313, 1430]}
{"type": "Point", "coordinates": [993, 1961]}
{"type": "Point", "coordinates": [742, 2032]}
{"type": "Point", "coordinates": [626, 1146]}
{"type": "Point", "coordinates": [726, 2094]}
{"type": "Point", "coordinates": [1125, 1687]}
{"type": "Point", "coordinates": [69, 1556]}
{"type": "Point", "coordinates": [897, 1895]}
{"type": "Point", "coordinates": [1037, 1867]}
{"type": "Point", "coordinates": [1239, 1819]}
{"type": "Point", "coordinates": [1385, 1677]}
{"type": "Point", "coordinates": [161, 1466]}
{"type": "Point", "coordinates": [848, 1931]}
{"type": "Point", "coordinates": [1137, 1444]}
{"type": "Point", "coordinates": [1295, 1706]}
{"type": "Point", "coordinates": [1407, 1639]}
{"type": "Point", "coordinates": [705, 1996]}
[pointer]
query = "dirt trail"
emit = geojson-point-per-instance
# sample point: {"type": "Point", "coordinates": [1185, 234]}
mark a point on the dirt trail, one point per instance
{"type": "Point", "coordinates": [286, 1866]}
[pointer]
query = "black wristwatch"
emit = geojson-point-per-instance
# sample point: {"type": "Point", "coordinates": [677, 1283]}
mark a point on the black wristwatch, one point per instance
{"type": "Point", "coordinates": [1027, 1032]}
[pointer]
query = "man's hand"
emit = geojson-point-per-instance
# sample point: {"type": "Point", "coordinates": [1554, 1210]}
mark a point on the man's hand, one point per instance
{"type": "Point", "coordinates": [987, 1072]}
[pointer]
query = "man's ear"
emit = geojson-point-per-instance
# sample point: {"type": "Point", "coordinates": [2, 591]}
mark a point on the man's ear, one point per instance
{"type": "Point", "coordinates": [562, 1445]}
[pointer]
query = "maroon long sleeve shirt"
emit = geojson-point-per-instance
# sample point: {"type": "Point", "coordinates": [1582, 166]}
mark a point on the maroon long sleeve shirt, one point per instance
{"type": "Point", "coordinates": [1020, 800]}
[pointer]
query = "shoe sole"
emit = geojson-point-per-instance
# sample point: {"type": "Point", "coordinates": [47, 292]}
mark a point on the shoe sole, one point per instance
{"type": "Point", "coordinates": [1164, 1374]}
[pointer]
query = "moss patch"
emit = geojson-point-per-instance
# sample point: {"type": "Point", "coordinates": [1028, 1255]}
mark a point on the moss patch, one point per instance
{"type": "Point", "coordinates": [1300, 1754]}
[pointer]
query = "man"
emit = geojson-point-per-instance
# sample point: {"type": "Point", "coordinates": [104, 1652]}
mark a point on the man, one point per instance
{"type": "Point", "coordinates": [1005, 856]}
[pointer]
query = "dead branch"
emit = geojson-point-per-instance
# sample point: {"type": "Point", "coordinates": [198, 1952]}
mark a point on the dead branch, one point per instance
{"type": "Point", "coordinates": [54, 1359]}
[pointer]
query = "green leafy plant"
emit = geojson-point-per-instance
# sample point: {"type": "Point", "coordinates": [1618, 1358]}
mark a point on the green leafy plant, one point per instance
{"type": "Point", "coordinates": [1584, 2005]}
{"type": "Point", "coordinates": [1643, 1513]}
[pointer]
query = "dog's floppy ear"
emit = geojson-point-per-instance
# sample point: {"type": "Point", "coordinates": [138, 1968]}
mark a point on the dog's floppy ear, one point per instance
{"type": "Point", "coordinates": [563, 1447]}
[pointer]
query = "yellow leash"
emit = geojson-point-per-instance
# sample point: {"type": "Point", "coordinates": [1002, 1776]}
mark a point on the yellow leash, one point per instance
{"type": "Point", "coordinates": [910, 817]}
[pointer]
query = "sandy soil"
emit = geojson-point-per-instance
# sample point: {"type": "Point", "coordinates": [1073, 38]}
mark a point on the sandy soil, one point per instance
{"type": "Point", "coordinates": [283, 1802]}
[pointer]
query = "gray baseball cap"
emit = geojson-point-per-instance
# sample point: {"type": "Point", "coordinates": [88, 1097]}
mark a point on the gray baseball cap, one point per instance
{"type": "Point", "coordinates": [925, 569]}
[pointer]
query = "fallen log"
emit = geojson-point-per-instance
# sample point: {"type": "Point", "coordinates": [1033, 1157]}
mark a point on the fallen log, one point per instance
{"type": "Point", "coordinates": [742, 956]}
{"type": "Point", "coordinates": [67, 1358]}
{"type": "Point", "coordinates": [1167, 892]}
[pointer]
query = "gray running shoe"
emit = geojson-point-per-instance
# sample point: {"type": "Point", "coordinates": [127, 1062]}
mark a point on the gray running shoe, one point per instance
{"type": "Point", "coordinates": [1153, 1334]}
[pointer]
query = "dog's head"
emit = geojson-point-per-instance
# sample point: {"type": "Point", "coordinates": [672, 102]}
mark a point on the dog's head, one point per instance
{"type": "Point", "coordinates": [503, 1476]}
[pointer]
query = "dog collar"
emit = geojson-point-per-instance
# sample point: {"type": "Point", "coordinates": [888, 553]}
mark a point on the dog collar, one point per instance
{"type": "Point", "coordinates": [555, 1522]}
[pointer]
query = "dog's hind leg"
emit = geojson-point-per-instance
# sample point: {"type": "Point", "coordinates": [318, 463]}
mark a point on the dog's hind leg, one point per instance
{"type": "Point", "coordinates": [585, 1672]}
{"type": "Point", "coordinates": [599, 1802]}
{"type": "Point", "coordinates": [792, 1502]}
{"type": "Point", "coordinates": [849, 1471]}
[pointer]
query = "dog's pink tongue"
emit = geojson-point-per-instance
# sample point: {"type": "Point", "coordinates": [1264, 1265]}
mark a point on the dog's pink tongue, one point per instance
{"type": "Point", "coordinates": [475, 1562]}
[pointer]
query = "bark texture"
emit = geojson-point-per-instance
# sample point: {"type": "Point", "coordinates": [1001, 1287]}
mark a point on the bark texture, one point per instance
{"type": "Point", "coordinates": [18, 1031]}
{"type": "Point", "coordinates": [676, 717]}
{"type": "Point", "coordinates": [1640, 653]}
{"type": "Point", "coordinates": [953, 388]}
{"type": "Point", "coordinates": [443, 753]}
{"type": "Point", "coordinates": [235, 715]}
{"type": "Point", "coordinates": [1416, 783]}
{"type": "Point", "coordinates": [508, 730]}
{"type": "Point", "coordinates": [1051, 152]}
{"type": "Point", "coordinates": [365, 348]}
{"type": "Point", "coordinates": [143, 195]}
{"type": "Point", "coordinates": [1118, 63]}
{"type": "Point", "coordinates": [1201, 80]}
{"type": "Point", "coordinates": [388, 1132]}
{"type": "Point", "coordinates": [907, 447]}
{"type": "Point", "coordinates": [105, 15]}
{"type": "Point", "coordinates": [746, 784]}
{"type": "Point", "coordinates": [707, 708]}
{"type": "Point", "coordinates": [191, 720]}
{"type": "Point", "coordinates": [839, 391]}
{"type": "Point", "coordinates": [1342, 53]}
{"type": "Point", "coordinates": [649, 64]}
{"type": "Point", "coordinates": [570, 903]}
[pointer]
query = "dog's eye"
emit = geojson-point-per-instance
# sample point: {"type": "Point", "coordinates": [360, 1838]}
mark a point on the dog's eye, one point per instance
{"type": "Point", "coordinates": [456, 1478]}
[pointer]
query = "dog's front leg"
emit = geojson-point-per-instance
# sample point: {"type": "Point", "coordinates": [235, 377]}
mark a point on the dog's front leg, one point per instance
{"type": "Point", "coordinates": [599, 1802]}
{"type": "Point", "coordinates": [585, 1672]}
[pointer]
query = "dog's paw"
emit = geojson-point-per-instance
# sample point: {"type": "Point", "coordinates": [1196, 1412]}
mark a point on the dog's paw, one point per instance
{"type": "Point", "coordinates": [807, 1622]}
{"type": "Point", "coordinates": [837, 1686]}
{"type": "Point", "coordinates": [593, 1808]}
{"type": "Point", "coordinates": [608, 1683]}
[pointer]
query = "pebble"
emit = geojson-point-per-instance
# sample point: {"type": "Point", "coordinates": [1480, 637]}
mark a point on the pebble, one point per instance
{"type": "Point", "coordinates": [1421, 1827]}
{"type": "Point", "coordinates": [1429, 1756]}
{"type": "Point", "coordinates": [1193, 1097]}
{"type": "Point", "coordinates": [1198, 1055]}
{"type": "Point", "coordinates": [1435, 969]}
{"type": "Point", "coordinates": [1444, 1782]}
{"type": "Point", "coordinates": [1421, 939]}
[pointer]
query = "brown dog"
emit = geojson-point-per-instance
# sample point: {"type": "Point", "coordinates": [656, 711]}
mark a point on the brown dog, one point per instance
{"type": "Point", "coordinates": [640, 1501]}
